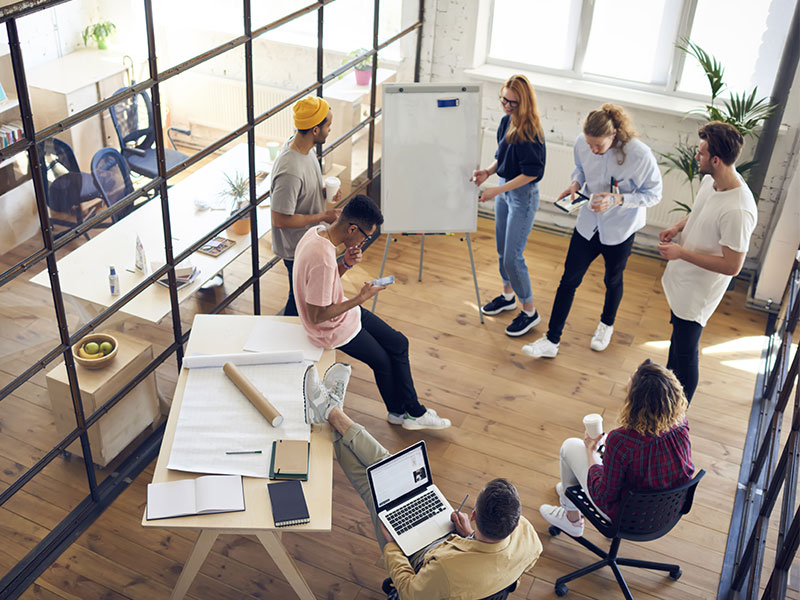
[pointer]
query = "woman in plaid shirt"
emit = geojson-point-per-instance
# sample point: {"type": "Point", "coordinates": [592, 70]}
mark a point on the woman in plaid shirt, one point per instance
{"type": "Point", "coordinates": [650, 451]}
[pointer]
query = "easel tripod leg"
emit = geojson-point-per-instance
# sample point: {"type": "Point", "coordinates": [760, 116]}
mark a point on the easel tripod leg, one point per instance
{"type": "Point", "coordinates": [474, 277]}
{"type": "Point", "coordinates": [383, 265]}
{"type": "Point", "coordinates": [421, 250]}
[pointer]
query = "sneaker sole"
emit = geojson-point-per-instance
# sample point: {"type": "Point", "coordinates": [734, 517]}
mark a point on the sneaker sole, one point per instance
{"type": "Point", "coordinates": [394, 420]}
{"type": "Point", "coordinates": [532, 355]}
{"type": "Point", "coordinates": [598, 349]}
{"type": "Point", "coordinates": [498, 311]}
{"type": "Point", "coordinates": [530, 326]}
{"type": "Point", "coordinates": [408, 427]}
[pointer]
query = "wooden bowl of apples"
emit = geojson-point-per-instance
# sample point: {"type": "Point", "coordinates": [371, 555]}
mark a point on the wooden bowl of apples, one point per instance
{"type": "Point", "coordinates": [95, 350]}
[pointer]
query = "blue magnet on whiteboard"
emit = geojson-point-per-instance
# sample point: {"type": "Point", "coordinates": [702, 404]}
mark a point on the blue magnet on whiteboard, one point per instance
{"type": "Point", "coordinates": [447, 103]}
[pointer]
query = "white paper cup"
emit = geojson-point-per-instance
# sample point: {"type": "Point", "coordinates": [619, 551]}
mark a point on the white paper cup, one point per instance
{"type": "Point", "coordinates": [273, 148]}
{"type": "Point", "coordinates": [332, 185]}
{"type": "Point", "coordinates": [594, 425]}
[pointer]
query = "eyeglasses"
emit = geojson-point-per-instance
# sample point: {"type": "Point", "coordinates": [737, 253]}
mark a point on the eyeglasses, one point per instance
{"type": "Point", "coordinates": [506, 102]}
{"type": "Point", "coordinates": [367, 237]}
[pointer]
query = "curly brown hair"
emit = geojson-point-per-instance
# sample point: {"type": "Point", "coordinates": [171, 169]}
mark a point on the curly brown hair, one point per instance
{"type": "Point", "coordinates": [608, 120]}
{"type": "Point", "coordinates": [655, 402]}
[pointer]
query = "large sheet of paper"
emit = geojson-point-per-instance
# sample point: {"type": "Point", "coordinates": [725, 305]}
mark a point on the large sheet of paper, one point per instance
{"type": "Point", "coordinates": [276, 336]}
{"type": "Point", "coordinates": [216, 418]}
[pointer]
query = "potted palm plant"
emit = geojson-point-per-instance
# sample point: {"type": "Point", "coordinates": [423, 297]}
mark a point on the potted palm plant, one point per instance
{"type": "Point", "coordinates": [99, 32]}
{"type": "Point", "coordinates": [744, 111]}
{"type": "Point", "coordinates": [364, 68]}
{"type": "Point", "coordinates": [237, 188]}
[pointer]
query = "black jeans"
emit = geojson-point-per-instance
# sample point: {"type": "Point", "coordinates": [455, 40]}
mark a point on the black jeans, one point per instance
{"type": "Point", "coordinates": [385, 350]}
{"type": "Point", "coordinates": [684, 353]}
{"type": "Point", "coordinates": [580, 255]}
{"type": "Point", "coordinates": [290, 310]}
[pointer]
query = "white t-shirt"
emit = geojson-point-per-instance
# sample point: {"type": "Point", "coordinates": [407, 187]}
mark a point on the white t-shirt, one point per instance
{"type": "Point", "coordinates": [717, 219]}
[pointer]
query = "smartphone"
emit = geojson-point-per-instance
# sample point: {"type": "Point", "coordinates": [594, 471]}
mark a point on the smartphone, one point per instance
{"type": "Point", "coordinates": [389, 279]}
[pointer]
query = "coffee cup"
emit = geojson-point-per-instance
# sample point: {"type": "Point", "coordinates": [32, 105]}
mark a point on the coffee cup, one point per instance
{"type": "Point", "coordinates": [332, 185]}
{"type": "Point", "coordinates": [273, 148]}
{"type": "Point", "coordinates": [594, 425]}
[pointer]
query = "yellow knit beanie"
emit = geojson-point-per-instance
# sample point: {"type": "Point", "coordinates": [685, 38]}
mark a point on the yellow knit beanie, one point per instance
{"type": "Point", "coordinates": [310, 112]}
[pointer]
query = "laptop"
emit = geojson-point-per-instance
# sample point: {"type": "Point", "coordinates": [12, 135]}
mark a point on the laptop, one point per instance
{"type": "Point", "coordinates": [407, 502]}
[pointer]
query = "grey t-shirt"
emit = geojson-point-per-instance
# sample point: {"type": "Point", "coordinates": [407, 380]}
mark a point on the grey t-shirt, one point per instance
{"type": "Point", "coordinates": [296, 189]}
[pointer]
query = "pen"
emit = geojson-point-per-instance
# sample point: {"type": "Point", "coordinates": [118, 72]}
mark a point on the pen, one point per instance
{"type": "Point", "coordinates": [243, 452]}
{"type": "Point", "coordinates": [462, 503]}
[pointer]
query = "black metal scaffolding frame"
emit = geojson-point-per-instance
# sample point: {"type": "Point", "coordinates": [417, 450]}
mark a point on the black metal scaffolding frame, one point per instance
{"type": "Point", "coordinates": [102, 494]}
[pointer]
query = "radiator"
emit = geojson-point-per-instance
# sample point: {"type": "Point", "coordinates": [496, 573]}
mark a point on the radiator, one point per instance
{"type": "Point", "coordinates": [218, 103]}
{"type": "Point", "coordinates": [559, 168]}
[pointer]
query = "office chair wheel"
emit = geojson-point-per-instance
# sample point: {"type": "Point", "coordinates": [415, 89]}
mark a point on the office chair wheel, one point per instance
{"type": "Point", "coordinates": [676, 574]}
{"type": "Point", "coordinates": [561, 590]}
{"type": "Point", "coordinates": [554, 531]}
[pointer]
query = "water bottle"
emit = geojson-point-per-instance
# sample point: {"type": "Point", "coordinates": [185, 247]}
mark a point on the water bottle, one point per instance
{"type": "Point", "coordinates": [113, 281]}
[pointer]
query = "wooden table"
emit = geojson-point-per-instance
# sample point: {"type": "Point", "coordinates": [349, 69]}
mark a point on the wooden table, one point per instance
{"type": "Point", "coordinates": [213, 334]}
{"type": "Point", "coordinates": [84, 272]}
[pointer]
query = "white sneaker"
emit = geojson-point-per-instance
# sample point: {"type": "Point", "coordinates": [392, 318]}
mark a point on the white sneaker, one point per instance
{"type": "Point", "coordinates": [557, 515]}
{"type": "Point", "coordinates": [394, 418]}
{"type": "Point", "coordinates": [335, 381]}
{"type": "Point", "coordinates": [430, 420]}
{"type": "Point", "coordinates": [602, 337]}
{"type": "Point", "coordinates": [541, 348]}
{"type": "Point", "coordinates": [318, 400]}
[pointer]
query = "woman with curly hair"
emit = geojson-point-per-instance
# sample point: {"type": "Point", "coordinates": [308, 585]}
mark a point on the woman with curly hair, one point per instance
{"type": "Point", "coordinates": [620, 174]}
{"type": "Point", "coordinates": [649, 451]}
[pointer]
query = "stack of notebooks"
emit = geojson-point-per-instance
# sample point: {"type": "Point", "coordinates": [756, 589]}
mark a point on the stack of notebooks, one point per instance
{"type": "Point", "coordinates": [289, 460]}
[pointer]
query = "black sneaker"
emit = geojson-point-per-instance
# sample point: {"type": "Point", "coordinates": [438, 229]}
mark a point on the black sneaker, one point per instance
{"type": "Point", "coordinates": [498, 305]}
{"type": "Point", "coordinates": [522, 324]}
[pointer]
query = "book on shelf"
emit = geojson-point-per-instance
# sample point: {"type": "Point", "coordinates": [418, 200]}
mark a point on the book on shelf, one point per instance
{"type": "Point", "coordinates": [200, 496]}
{"type": "Point", "coordinates": [288, 503]}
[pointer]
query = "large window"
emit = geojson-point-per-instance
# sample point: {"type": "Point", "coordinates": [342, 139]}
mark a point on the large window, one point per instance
{"type": "Point", "coordinates": [633, 43]}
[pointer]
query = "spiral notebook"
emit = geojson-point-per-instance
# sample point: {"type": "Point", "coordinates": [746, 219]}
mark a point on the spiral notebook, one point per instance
{"type": "Point", "coordinates": [288, 503]}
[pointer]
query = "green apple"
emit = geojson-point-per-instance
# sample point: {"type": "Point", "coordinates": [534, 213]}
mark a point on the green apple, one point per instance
{"type": "Point", "coordinates": [106, 347]}
{"type": "Point", "coordinates": [92, 348]}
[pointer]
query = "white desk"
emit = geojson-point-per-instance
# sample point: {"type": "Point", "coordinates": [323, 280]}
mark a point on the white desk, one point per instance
{"type": "Point", "coordinates": [213, 334]}
{"type": "Point", "coordinates": [83, 272]}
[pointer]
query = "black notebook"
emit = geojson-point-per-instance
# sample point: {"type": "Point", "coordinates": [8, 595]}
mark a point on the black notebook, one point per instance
{"type": "Point", "coordinates": [288, 503]}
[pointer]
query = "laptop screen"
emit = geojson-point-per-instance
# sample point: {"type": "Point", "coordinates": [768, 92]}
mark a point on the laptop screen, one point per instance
{"type": "Point", "coordinates": [399, 474]}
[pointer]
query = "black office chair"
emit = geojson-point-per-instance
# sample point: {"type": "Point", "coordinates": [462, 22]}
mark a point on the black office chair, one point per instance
{"type": "Point", "coordinates": [112, 177]}
{"type": "Point", "coordinates": [133, 122]}
{"type": "Point", "coordinates": [66, 188]}
{"type": "Point", "coordinates": [391, 593]}
{"type": "Point", "coordinates": [643, 516]}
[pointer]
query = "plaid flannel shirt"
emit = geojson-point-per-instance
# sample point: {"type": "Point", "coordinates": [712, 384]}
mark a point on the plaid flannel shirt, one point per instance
{"type": "Point", "coordinates": [633, 461]}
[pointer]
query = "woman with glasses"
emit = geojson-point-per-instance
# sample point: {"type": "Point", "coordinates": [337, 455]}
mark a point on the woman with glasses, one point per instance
{"type": "Point", "coordinates": [650, 450]}
{"type": "Point", "coordinates": [519, 163]}
{"type": "Point", "coordinates": [620, 176]}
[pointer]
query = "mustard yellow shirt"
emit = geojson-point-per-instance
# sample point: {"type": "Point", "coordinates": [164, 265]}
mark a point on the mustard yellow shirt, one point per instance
{"type": "Point", "coordinates": [464, 569]}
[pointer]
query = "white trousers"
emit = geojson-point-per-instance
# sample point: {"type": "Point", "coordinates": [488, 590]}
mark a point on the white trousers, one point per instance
{"type": "Point", "coordinates": [574, 470]}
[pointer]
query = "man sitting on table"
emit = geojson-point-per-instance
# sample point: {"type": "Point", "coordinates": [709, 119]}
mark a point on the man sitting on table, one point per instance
{"type": "Point", "coordinates": [490, 549]}
{"type": "Point", "coordinates": [333, 321]}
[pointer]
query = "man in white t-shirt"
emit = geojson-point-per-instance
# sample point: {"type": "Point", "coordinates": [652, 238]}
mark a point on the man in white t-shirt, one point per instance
{"type": "Point", "coordinates": [713, 243]}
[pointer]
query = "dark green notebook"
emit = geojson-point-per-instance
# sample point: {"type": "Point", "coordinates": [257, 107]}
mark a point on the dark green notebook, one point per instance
{"type": "Point", "coordinates": [288, 503]}
{"type": "Point", "coordinates": [289, 460]}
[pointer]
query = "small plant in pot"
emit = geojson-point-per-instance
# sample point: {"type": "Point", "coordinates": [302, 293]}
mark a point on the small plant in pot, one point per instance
{"type": "Point", "coordinates": [99, 32]}
{"type": "Point", "coordinates": [237, 188]}
{"type": "Point", "coordinates": [364, 68]}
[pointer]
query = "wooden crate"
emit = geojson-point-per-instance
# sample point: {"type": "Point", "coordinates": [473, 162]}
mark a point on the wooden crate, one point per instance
{"type": "Point", "coordinates": [125, 421]}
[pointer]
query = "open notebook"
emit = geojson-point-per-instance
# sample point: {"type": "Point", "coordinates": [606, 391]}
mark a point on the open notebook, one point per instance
{"type": "Point", "coordinates": [203, 495]}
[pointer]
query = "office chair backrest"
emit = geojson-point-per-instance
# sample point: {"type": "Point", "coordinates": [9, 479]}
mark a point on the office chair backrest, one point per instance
{"type": "Point", "coordinates": [57, 161]}
{"type": "Point", "coordinates": [648, 515]}
{"type": "Point", "coordinates": [112, 178]}
{"type": "Point", "coordinates": [133, 121]}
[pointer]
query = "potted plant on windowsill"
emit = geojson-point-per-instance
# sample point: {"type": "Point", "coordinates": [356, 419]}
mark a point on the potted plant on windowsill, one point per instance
{"type": "Point", "coordinates": [236, 190]}
{"type": "Point", "coordinates": [364, 68]}
{"type": "Point", "coordinates": [99, 32]}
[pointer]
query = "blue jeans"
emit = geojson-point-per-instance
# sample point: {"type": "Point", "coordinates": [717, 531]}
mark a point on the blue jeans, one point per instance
{"type": "Point", "coordinates": [513, 220]}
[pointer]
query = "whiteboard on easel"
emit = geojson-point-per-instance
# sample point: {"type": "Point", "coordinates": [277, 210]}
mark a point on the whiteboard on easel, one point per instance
{"type": "Point", "coordinates": [431, 146]}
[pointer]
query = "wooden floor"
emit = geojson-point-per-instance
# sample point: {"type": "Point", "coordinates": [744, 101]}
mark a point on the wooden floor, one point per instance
{"type": "Point", "coordinates": [510, 413]}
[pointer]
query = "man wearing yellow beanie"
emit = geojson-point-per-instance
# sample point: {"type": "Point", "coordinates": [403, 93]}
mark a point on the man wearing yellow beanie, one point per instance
{"type": "Point", "coordinates": [297, 191]}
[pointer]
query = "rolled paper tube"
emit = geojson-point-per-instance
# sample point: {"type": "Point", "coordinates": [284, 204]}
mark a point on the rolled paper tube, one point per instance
{"type": "Point", "coordinates": [250, 391]}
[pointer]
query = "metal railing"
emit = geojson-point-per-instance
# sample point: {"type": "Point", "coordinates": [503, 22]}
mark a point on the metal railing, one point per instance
{"type": "Point", "coordinates": [767, 469]}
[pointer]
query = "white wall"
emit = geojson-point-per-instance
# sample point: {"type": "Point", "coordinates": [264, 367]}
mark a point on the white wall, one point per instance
{"type": "Point", "coordinates": [454, 27]}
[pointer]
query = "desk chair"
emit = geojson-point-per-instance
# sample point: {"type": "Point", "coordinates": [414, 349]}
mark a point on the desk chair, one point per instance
{"type": "Point", "coordinates": [643, 516]}
{"type": "Point", "coordinates": [66, 188]}
{"type": "Point", "coordinates": [391, 593]}
{"type": "Point", "coordinates": [133, 122]}
{"type": "Point", "coordinates": [113, 178]}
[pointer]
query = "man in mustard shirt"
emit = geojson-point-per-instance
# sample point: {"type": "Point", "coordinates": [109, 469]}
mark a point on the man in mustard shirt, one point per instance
{"type": "Point", "coordinates": [490, 549]}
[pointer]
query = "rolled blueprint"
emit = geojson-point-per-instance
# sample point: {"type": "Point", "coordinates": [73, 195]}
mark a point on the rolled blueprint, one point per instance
{"type": "Point", "coordinates": [258, 399]}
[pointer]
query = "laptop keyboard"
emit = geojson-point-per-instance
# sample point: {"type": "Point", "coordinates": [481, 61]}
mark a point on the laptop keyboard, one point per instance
{"type": "Point", "coordinates": [414, 513]}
